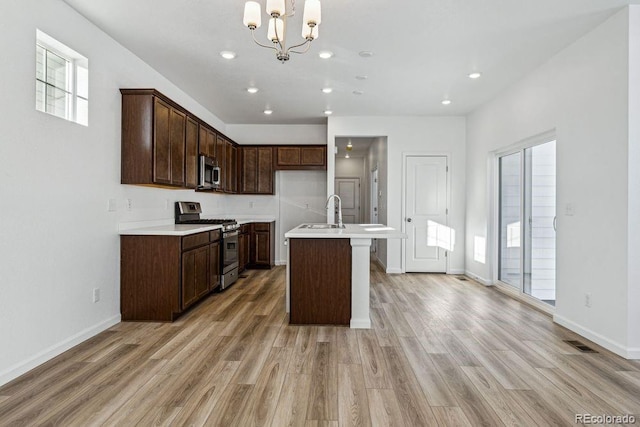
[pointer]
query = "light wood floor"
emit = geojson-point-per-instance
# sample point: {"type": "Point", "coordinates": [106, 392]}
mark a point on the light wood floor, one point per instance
{"type": "Point", "coordinates": [441, 352]}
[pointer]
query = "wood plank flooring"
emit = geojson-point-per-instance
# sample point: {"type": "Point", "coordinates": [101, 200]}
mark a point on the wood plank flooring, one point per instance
{"type": "Point", "coordinates": [441, 352]}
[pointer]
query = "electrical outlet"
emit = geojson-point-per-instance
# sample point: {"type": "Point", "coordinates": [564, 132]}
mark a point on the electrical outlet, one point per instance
{"type": "Point", "coordinates": [112, 206]}
{"type": "Point", "coordinates": [166, 204]}
{"type": "Point", "coordinates": [587, 300]}
{"type": "Point", "coordinates": [96, 294]}
{"type": "Point", "coordinates": [129, 205]}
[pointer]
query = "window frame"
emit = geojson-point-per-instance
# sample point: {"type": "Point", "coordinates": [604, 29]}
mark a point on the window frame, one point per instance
{"type": "Point", "coordinates": [74, 61]}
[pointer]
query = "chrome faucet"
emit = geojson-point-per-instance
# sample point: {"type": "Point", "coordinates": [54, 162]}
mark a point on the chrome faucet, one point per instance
{"type": "Point", "coordinates": [326, 206]}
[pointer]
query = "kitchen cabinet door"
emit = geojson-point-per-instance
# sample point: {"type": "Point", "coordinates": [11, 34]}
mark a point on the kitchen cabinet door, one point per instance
{"type": "Point", "coordinates": [262, 245]}
{"type": "Point", "coordinates": [207, 142]}
{"type": "Point", "coordinates": [230, 170]}
{"type": "Point", "coordinates": [221, 151]}
{"type": "Point", "coordinates": [162, 143]}
{"type": "Point", "coordinates": [177, 127]}
{"type": "Point", "coordinates": [191, 154]}
{"type": "Point", "coordinates": [301, 157]}
{"type": "Point", "coordinates": [256, 170]}
{"type": "Point", "coordinates": [195, 275]}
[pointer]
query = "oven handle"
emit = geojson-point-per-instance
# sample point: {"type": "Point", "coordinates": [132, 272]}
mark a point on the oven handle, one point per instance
{"type": "Point", "coordinates": [229, 234]}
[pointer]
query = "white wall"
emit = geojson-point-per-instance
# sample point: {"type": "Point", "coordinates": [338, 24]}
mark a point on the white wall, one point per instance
{"type": "Point", "coordinates": [278, 134]}
{"type": "Point", "coordinates": [582, 94]}
{"type": "Point", "coordinates": [428, 135]}
{"type": "Point", "coordinates": [633, 298]}
{"type": "Point", "coordinates": [59, 242]}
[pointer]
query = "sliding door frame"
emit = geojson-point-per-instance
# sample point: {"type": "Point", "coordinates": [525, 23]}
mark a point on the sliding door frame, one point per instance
{"type": "Point", "coordinates": [493, 161]}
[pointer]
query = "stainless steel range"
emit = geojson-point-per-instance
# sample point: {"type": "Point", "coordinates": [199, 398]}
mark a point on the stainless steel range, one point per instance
{"type": "Point", "coordinates": [189, 213]}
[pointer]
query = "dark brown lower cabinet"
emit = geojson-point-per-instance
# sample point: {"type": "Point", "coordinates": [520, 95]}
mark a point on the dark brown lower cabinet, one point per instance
{"type": "Point", "coordinates": [162, 276]}
{"type": "Point", "coordinates": [195, 275]}
{"type": "Point", "coordinates": [320, 281]}
{"type": "Point", "coordinates": [262, 251]}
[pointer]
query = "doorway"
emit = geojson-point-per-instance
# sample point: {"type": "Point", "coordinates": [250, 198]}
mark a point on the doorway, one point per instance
{"type": "Point", "coordinates": [426, 198]}
{"type": "Point", "coordinates": [527, 220]}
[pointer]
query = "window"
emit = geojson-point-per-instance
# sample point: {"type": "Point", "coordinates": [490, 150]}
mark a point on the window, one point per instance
{"type": "Point", "coordinates": [62, 80]}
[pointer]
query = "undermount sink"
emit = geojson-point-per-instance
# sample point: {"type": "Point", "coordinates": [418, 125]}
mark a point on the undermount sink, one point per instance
{"type": "Point", "coordinates": [320, 226]}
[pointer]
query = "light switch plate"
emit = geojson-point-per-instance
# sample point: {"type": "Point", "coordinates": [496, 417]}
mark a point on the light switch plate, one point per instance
{"type": "Point", "coordinates": [112, 205]}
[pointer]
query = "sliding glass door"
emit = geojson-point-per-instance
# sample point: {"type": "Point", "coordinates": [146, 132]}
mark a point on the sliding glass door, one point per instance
{"type": "Point", "coordinates": [527, 220]}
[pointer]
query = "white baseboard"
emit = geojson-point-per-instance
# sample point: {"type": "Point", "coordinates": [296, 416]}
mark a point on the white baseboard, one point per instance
{"type": "Point", "coordinates": [360, 323]}
{"type": "Point", "coordinates": [279, 262]}
{"type": "Point", "coordinates": [49, 353]}
{"type": "Point", "coordinates": [478, 278]}
{"type": "Point", "coordinates": [456, 271]}
{"type": "Point", "coordinates": [393, 271]}
{"type": "Point", "coordinates": [615, 347]}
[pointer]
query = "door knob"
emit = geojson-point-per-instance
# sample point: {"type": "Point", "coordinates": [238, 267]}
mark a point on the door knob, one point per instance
{"type": "Point", "coordinates": [408, 219]}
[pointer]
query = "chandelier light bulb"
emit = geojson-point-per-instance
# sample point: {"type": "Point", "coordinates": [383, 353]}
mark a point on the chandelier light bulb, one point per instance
{"type": "Point", "coordinates": [312, 14]}
{"type": "Point", "coordinates": [275, 7]}
{"type": "Point", "coordinates": [252, 18]}
{"type": "Point", "coordinates": [276, 30]}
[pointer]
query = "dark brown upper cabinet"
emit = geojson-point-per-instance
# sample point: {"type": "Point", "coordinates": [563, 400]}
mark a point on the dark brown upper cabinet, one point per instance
{"type": "Point", "coordinates": [301, 157]}
{"type": "Point", "coordinates": [207, 141]}
{"type": "Point", "coordinates": [154, 132]}
{"type": "Point", "coordinates": [256, 170]}
{"type": "Point", "coordinates": [191, 152]}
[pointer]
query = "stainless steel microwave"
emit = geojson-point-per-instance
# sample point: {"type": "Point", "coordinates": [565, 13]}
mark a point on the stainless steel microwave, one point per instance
{"type": "Point", "coordinates": [209, 176]}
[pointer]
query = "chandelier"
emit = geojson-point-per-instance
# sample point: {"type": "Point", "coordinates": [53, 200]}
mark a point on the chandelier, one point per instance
{"type": "Point", "coordinates": [277, 30]}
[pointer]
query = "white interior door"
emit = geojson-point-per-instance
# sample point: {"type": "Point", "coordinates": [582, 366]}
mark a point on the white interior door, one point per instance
{"type": "Point", "coordinates": [429, 238]}
{"type": "Point", "coordinates": [349, 191]}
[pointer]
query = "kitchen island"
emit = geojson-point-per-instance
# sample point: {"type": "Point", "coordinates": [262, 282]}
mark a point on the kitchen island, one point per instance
{"type": "Point", "coordinates": [328, 272]}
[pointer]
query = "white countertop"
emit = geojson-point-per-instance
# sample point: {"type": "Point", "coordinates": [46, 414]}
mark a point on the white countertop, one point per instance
{"type": "Point", "coordinates": [355, 231]}
{"type": "Point", "coordinates": [183, 229]}
{"type": "Point", "coordinates": [170, 230]}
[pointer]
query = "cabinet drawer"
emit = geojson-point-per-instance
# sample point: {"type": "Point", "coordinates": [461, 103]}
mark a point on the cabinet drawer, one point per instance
{"type": "Point", "coordinates": [261, 226]}
{"type": "Point", "coordinates": [214, 235]}
{"type": "Point", "coordinates": [195, 240]}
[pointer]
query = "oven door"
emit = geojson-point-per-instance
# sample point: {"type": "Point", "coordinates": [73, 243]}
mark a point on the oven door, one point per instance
{"type": "Point", "coordinates": [229, 251]}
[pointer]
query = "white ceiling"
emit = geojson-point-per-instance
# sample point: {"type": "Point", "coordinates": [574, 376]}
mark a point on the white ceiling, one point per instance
{"type": "Point", "coordinates": [360, 146]}
{"type": "Point", "coordinates": [424, 50]}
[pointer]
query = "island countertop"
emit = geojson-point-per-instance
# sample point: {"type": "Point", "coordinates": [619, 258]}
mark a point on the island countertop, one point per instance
{"type": "Point", "coordinates": [351, 231]}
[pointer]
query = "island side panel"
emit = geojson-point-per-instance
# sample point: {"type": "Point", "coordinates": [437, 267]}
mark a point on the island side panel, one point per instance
{"type": "Point", "coordinates": [320, 281]}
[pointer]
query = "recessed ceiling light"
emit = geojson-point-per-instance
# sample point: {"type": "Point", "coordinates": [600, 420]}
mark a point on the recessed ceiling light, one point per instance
{"type": "Point", "coordinates": [327, 90]}
{"type": "Point", "coordinates": [362, 77]}
{"type": "Point", "coordinates": [357, 92]}
{"type": "Point", "coordinates": [328, 112]}
{"type": "Point", "coordinates": [346, 156]}
{"type": "Point", "coordinates": [268, 112]}
{"type": "Point", "coordinates": [325, 54]}
{"type": "Point", "coordinates": [252, 89]}
{"type": "Point", "coordinates": [475, 75]}
{"type": "Point", "coordinates": [227, 54]}
{"type": "Point", "coordinates": [366, 54]}
{"type": "Point", "coordinates": [446, 101]}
